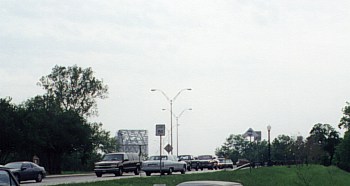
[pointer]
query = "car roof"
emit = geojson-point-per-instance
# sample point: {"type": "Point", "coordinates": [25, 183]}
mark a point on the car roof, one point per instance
{"type": "Point", "coordinates": [20, 162]}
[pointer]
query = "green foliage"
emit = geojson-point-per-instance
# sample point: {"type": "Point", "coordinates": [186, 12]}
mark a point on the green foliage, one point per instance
{"type": "Point", "coordinates": [345, 120]}
{"type": "Point", "coordinates": [9, 124]}
{"type": "Point", "coordinates": [236, 147]}
{"type": "Point", "coordinates": [343, 153]}
{"type": "Point", "coordinates": [282, 148]}
{"type": "Point", "coordinates": [53, 126]}
{"type": "Point", "coordinates": [322, 142]}
{"type": "Point", "coordinates": [75, 89]}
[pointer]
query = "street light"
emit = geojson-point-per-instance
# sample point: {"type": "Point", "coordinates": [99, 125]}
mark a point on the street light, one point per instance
{"type": "Point", "coordinates": [269, 146]}
{"type": "Point", "coordinates": [177, 128]}
{"type": "Point", "coordinates": [171, 101]}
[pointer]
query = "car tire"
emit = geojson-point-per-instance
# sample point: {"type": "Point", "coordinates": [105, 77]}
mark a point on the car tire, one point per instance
{"type": "Point", "coordinates": [39, 177]}
{"type": "Point", "coordinates": [98, 174]}
{"type": "Point", "coordinates": [120, 172]}
{"type": "Point", "coordinates": [148, 173]}
{"type": "Point", "coordinates": [137, 171]}
{"type": "Point", "coordinates": [189, 168]}
{"type": "Point", "coordinates": [183, 170]}
{"type": "Point", "coordinates": [170, 172]}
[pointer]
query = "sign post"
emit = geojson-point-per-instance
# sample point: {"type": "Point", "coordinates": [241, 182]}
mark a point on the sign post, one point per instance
{"type": "Point", "coordinates": [160, 131]}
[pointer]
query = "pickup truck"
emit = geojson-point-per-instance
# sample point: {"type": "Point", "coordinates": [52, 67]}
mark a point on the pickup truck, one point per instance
{"type": "Point", "coordinates": [192, 163]}
{"type": "Point", "coordinates": [117, 163]}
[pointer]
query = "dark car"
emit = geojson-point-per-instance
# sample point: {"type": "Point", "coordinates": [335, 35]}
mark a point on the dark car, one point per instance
{"type": "Point", "coordinates": [117, 163]}
{"type": "Point", "coordinates": [242, 162]}
{"type": "Point", "coordinates": [25, 170]}
{"type": "Point", "coordinates": [192, 163]}
{"type": "Point", "coordinates": [7, 178]}
{"type": "Point", "coordinates": [208, 161]}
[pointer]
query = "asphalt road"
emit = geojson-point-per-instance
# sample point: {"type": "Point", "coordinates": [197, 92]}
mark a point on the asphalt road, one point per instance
{"type": "Point", "coordinates": [81, 178]}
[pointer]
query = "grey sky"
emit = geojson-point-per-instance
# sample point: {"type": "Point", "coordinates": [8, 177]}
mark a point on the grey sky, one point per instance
{"type": "Point", "coordinates": [249, 63]}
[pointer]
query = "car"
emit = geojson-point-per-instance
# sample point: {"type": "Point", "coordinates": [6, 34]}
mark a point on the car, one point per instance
{"type": "Point", "coordinates": [117, 163]}
{"type": "Point", "coordinates": [169, 164]}
{"type": "Point", "coordinates": [242, 162]}
{"type": "Point", "coordinates": [7, 178]}
{"type": "Point", "coordinates": [208, 161]}
{"type": "Point", "coordinates": [26, 170]}
{"type": "Point", "coordinates": [192, 163]}
{"type": "Point", "coordinates": [225, 163]}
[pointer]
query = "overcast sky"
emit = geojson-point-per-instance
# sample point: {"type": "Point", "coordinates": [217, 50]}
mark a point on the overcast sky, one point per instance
{"type": "Point", "coordinates": [249, 63]}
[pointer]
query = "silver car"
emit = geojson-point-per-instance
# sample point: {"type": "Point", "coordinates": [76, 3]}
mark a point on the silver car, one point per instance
{"type": "Point", "coordinates": [169, 164]}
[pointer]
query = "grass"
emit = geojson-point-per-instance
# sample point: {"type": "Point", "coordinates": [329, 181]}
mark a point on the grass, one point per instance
{"type": "Point", "coordinates": [302, 175]}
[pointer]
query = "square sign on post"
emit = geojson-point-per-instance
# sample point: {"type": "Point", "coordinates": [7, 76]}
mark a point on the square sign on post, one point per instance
{"type": "Point", "coordinates": [160, 130]}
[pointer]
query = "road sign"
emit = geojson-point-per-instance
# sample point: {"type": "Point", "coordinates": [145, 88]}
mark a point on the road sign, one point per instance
{"type": "Point", "coordinates": [168, 148]}
{"type": "Point", "coordinates": [160, 130]}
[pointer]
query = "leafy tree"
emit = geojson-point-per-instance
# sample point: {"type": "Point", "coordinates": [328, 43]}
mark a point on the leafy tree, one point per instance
{"type": "Point", "coordinates": [281, 149]}
{"type": "Point", "coordinates": [75, 88]}
{"type": "Point", "coordinates": [345, 120]}
{"type": "Point", "coordinates": [324, 137]}
{"type": "Point", "coordinates": [9, 125]}
{"type": "Point", "coordinates": [236, 146]}
{"type": "Point", "coordinates": [343, 153]}
{"type": "Point", "coordinates": [51, 132]}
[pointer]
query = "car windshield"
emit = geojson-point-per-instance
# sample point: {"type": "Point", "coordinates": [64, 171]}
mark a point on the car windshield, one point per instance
{"type": "Point", "coordinates": [15, 165]}
{"type": "Point", "coordinates": [157, 158]}
{"type": "Point", "coordinates": [113, 157]}
{"type": "Point", "coordinates": [205, 157]}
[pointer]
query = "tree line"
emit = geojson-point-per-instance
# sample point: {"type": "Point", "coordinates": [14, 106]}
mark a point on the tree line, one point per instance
{"type": "Point", "coordinates": [323, 146]}
{"type": "Point", "coordinates": [55, 126]}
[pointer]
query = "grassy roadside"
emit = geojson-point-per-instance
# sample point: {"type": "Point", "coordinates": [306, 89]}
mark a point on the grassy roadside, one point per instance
{"type": "Point", "coordinates": [306, 175]}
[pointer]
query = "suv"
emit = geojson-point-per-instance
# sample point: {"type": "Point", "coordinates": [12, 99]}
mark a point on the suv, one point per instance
{"type": "Point", "coordinates": [117, 163]}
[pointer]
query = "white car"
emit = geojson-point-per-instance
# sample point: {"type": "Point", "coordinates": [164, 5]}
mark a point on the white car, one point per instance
{"type": "Point", "coordinates": [170, 164]}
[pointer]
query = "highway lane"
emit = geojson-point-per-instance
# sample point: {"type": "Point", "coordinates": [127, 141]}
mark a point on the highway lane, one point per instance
{"type": "Point", "coordinates": [81, 178]}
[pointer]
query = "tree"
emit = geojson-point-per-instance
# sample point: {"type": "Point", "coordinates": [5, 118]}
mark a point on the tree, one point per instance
{"type": "Point", "coordinates": [237, 147]}
{"type": "Point", "coordinates": [345, 120]}
{"type": "Point", "coordinates": [232, 148]}
{"type": "Point", "coordinates": [324, 137]}
{"type": "Point", "coordinates": [51, 132]}
{"type": "Point", "coordinates": [282, 148]}
{"type": "Point", "coordinates": [343, 153]}
{"type": "Point", "coordinates": [9, 125]}
{"type": "Point", "coordinates": [75, 89]}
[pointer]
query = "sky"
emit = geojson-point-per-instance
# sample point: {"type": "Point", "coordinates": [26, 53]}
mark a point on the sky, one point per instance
{"type": "Point", "coordinates": [249, 63]}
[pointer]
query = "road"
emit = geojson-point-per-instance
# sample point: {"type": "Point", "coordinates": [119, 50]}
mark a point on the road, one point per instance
{"type": "Point", "coordinates": [55, 180]}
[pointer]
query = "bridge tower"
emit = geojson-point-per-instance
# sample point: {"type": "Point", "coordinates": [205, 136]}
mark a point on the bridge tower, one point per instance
{"type": "Point", "coordinates": [133, 141]}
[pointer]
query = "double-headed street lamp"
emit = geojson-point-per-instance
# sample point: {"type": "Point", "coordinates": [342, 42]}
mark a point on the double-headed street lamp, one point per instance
{"type": "Point", "coordinates": [171, 101]}
{"type": "Point", "coordinates": [269, 146]}
{"type": "Point", "coordinates": [177, 128]}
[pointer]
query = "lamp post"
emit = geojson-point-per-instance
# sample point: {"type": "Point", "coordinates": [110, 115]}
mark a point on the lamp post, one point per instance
{"type": "Point", "coordinates": [171, 101]}
{"type": "Point", "coordinates": [177, 128]}
{"type": "Point", "coordinates": [269, 146]}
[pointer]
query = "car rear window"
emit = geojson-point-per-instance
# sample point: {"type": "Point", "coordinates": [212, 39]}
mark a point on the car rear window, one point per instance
{"type": "Point", "coordinates": [16, 165]}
